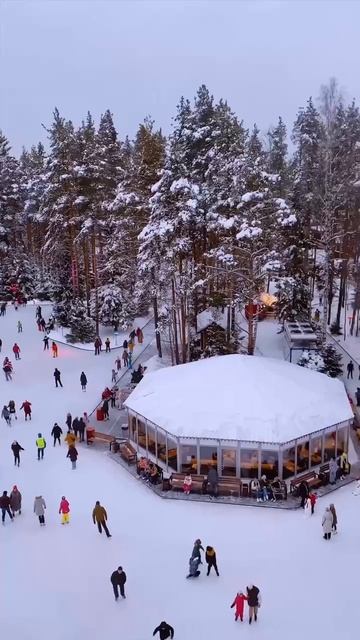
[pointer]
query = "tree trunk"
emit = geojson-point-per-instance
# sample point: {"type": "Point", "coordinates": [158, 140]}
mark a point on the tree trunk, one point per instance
{"type": "Point", "coordinates": [95, 272]}
{"type": "Point", "coordinates": [156, 316]}
{"type": "Point", "coordinates": [176, 342]}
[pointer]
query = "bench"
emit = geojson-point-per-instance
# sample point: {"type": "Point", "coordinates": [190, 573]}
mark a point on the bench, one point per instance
{"type": "Point", "coordinates": [311, 479]}
{"type": "Point", "coordinates": [101, 437]}
{"type": "Point", "coordinates": [127, 452]}
{"type": "Point", "coordinates": [229, 485]}
{"type": "Point", "coordinates": [177, 482]}
{"type": "Point", "coordinates": [324, 473]}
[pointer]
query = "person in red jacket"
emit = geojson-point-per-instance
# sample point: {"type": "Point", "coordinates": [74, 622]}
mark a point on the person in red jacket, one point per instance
{"type": "Point", "coordinates": [16, 350]}
{"type": "Point", "coordinates": [313, 498]}
{"type": "Point", "coordinates": [64, 509]}
{"type": "Point", "coordinates": [239, 605]}
{"type": "Point", "coordinates": [26, 405]}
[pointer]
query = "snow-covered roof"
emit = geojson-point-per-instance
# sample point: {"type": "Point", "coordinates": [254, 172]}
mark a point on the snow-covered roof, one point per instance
{"type": "Point", "coordinates": [209, 316]}
{"type": "Point", "coordinates": [240, 397]}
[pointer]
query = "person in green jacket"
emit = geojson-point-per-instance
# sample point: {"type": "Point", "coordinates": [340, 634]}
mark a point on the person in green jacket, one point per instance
{"type": "Point", "coordinates": [41, 444]}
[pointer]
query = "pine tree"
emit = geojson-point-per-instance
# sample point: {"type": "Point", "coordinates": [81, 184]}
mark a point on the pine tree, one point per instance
{"type": "Point", "coordinates": [332, 361]}
{"type": "Point", "coordinates": [81, 326]}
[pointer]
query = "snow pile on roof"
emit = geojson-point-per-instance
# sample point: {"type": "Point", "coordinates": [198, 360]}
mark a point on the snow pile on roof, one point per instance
{"type": "Point", "coordinates": [209, 316]}
{"type": "Point", "coordinates": [241, 398]}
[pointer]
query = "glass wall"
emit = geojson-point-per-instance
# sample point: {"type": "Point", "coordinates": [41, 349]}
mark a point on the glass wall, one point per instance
{"type": "Point", "coordinates": [329, 445]}
{"type": "Point", "coordinates": [141, 433]}
{"type": "Point", "coordinates": [208, 457]}
{"type": "Point", "coordinates": [249, 462]}
{"type": "Point", "coordinates": [172, 453]}
{"type": "Point", "coordinates": [228, 462]}
{"type": "Point", "coordinates": [302, 457]}
{"type": "Point", "coordinates": [161, 445]}
{"type": "Point", "coordinates": [288, 455]}
{"type": "Point", "coordinates": [189, 458]}
{"type": "Point", "coordinates": [315, 449]}
{"type": "Point", "coordinates": [132, 428]}
{"type": "Point", "coordinates": [151, 436]}
{"type": "Point", "coordinates": [342, 440]}
{"type": "Point", "coordinates": [270, 463]}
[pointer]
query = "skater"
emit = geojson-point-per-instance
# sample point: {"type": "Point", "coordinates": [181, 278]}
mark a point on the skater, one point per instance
{"type": "Point", "coordinates": [70, 439]}
{"type": "Point", "coordinates": [164, 630]}
{"type": "Point", "coordinates": [7, 369]}
{"type": "Point", "coordinates": [12, 408]}
{"type": "Point", "coordinates": [0, 342]}
{"type": "Point", "coordinates": [5, 507]}
{"type": "Point", "coordinates": [213, 482]}
{"type": "Point", "coordinates": [118, 363]}
{"type": "Point", "coordinates": [64, 510]}
{"type": "Point", "coordinates": [97, 345]}
{"type": "Point", "coordinates": [210, 557]}
{"type": "Point", "coordinates": [19, 326]}
{"type": "Point", "coordinates": [113, 375]}
{"type": "Point", "coordinates": [350, 369]}
{"type": "Point", "coordinates": [118, 579]}
{"type": "Point", "coordinates": [73, 455]}
{"type": "Point", "coordinates": [86, 418]}
{"type": "Point", "coordinates": [313, 499]}
{"type": "Point", "coordinates": [56, 433]}
{"type": "Point", "coordinates": [57, 375]}
{"type": "Point", "coordinates": [125, 344]}
{"type": "Point", "coordinates": [113, 397]}
{"type": "Point", "coordinates": [130, 360]}
{"type": "Point", "coordinates": [16, 350]}
{"type": "Point", "coordinates": [41, 445]}
{"type": "Point", "coordinates": [139, 335]}
{"type": "Point", "coordinates": [132, 335]}
{"type": "Point", "coordinates": [26, 405]}
{"type": "Point", "coordinates": [254, 601]}
{"type": "Point", "coordinates": [6, 415]}
{"type": "Point", "coordinates": [239, 603]}
{"type": "Point", "coordinates": [82, 428]}
{"type": "Point", "coordinates": [15, 500]}
{"type": "Point", "coordinates": [125, 357]}
{"type": "Point", "coordinates": [107, 345]}
{"type": "Point", "coordinates": [42, 324]}
{"type": "Point", "coordinates": [105, 408]}
{"type": "Point", "coordinates": [83, 381]}
{"type": "Point", "coordinates": [38, 312]}
{"type": "Point", "coordinates": [54, 349]}
{"type": "Point", "coordinates": [16, 448]}
{"type": "Point", "coordinates": [131, 346]}
{"type": "Point", "coordinates": [196, 550]}
{"type": "Point", "coordinates": [39, 509]}
{"type": "Point", "coordinates": [187, 484]}
{"type": "Point", "coordinates": [317, 315]}
{"type": "Point", "coordinates": [303, 493]}
{"type": "Point", "coordinates": [334, 518]}
{"type": "Point", "coordinates": [327, 522]}
{"type": "Point", "coordinates": [68, 420]}
{"type": "Point", "coordinates": [3, 309]}
{"type": "Point", "coordinates": [99, 517]}
{"type": "Point", "coordinates": [193, 568]}
{"type": "Point", "coordinates": [46, 343]}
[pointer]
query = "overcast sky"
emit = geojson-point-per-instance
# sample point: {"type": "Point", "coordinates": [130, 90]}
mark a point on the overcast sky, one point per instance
{"type": "Point", "coordinates": [266, 57]}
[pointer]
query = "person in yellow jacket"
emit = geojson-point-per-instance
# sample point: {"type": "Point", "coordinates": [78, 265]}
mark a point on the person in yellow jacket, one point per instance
{"type": "Point", "coordinates": [41, 444]}
{"type": "Point", "coordinates": [70, 439]}
{"type": "Point", "coordinates": [99, 517]}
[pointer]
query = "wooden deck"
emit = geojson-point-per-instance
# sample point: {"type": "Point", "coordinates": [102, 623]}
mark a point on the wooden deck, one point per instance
{"type": "Point", "coordinates": [289, 504]}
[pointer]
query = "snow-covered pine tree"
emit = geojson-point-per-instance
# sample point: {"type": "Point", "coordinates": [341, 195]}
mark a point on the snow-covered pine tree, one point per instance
{"type": "Point", "coordinates": [332, 361]}
{"type": "Point", "coordinates": [82, 327]}
{"type": "Point", "coordinates": [277, 157]}
{"type": "Point", "coordinates": [311, 360]}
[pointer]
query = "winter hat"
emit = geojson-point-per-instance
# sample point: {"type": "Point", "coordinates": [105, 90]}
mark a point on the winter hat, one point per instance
{"type": "Point", "coordinates": [63, 498]}
{"type": "Point", "coordinates": [15, 487]}
{"type": "Point", "coordinates": [39, 435]}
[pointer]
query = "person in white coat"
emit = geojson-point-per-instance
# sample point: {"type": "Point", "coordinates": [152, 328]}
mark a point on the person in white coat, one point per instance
{"type": "Point", "coordinates": [327, 522]}
{"type": "Point", "coordinates": [356, 491]}
{"type": "Point", "coordinates": [39, 509]}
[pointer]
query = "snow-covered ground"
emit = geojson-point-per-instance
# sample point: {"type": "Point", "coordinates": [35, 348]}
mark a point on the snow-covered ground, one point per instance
{"type": "Point", "coordinates": [55, 580]}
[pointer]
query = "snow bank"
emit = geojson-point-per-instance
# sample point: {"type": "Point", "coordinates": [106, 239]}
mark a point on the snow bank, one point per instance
{"type": "Point", "coordinates": [242, 398]}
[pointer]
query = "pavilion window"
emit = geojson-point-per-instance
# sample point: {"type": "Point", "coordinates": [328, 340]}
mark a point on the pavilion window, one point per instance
{"type": "Point", "coordinates": [329, 445]}
{"type": "Point", "coordinates": [315, 450]}
{"type": "Point", "coordinates": [288, 456]}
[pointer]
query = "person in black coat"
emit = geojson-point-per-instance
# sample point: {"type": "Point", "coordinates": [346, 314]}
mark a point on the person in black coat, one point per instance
{"type": "Point", "coordinates": [5, 507]}
{"type": "Point", "coordinates": [75, 426]}
{"type": "Point", "coordinates": [57, 375]}
{"type": "Point", "coordinates": [56, 433]}
{"type": "Point", "coordinates": [125, 344]}
{"type": "Point", "coordinates": [105, 408]}
{"type": "Point", "coordinates": [16, 448]}
{"type": "Point", "coordinates": [303, 493]}
{"type": "Point", "coordinates": [46, 342]}
{"type": "Point", "coordinates": [210, 557]}
{"type": "Point", "coordinates": [83, 381]}
{"type": "Point", "coordinates": [118, 579]}
{"type": "Point", "coordinates": [164, 630]}
{"type": "Point", "coordinates": [254, 601]}
{"type": "Point", "coordinates": [82, 427]}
